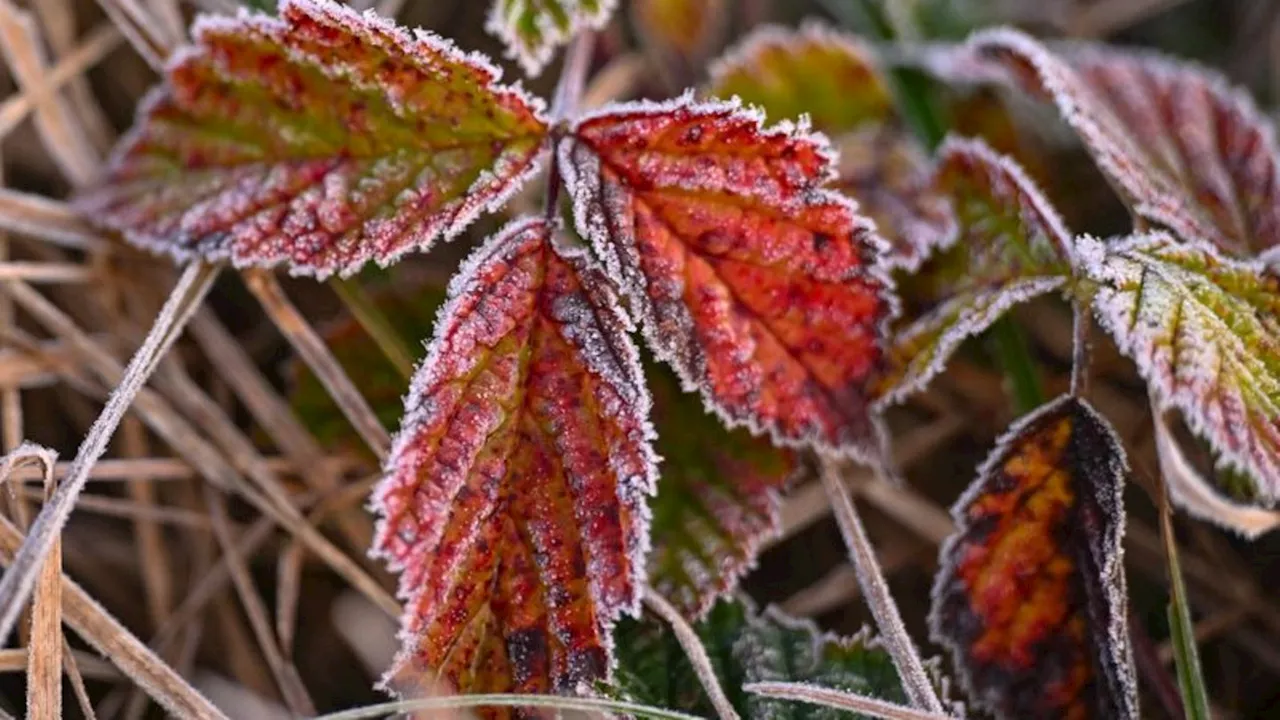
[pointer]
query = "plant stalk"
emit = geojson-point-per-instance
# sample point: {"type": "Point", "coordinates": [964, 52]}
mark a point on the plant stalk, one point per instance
{"type": "Point", "coordinates": [1195, 699]}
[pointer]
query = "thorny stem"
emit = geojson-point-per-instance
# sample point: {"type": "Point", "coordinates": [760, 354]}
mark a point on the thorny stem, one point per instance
{"type": "Point", "coordinates": [18, 582]}
{"type": "Point", "coordinates": [375, 323]}
{"type": "Point", "coordinates": [876, 590]}
{"type": "Point", "coordinates": [1081, 351]}
{"type": "Point", "coordinates": [693, 649]}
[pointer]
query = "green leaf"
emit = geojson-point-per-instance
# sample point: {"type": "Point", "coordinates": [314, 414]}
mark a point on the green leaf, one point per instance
{"type": "Point", "coordinates": [533, 29]}
{"type": "Point", "coordinates": [745, 647]}
{"type": "Point", "coordinates": [717, 497]}
{"type": "Point", "coordinates": [1204, 331]}
{"type": "Point", "coordinates": [1012, 246]}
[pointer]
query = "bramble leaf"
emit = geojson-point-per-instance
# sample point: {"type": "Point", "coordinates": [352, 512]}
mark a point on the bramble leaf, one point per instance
{"type": "Point", "coordinates": [533, 29]}
{"type": "Point", "coordinates": [1186, 150]}
{"type": "Point", "coordinates": [835, 81]}
{"type": "Point", "coordinates": [1030, 599]}
{"type": "Point", "coordinates": [514, 501]}
{"type": "Point", "coordinates": [760, 288]}
{"type": "Point", "coordinates": [1204, 331]}
{"type": "Point", "coordinates": [1012, 246]}
{"type": "Point", "coordinates": [744, 647]}
{"type": "Point", "coordinates": [322, 140]}
{"type": "Point", "coordinates": [718, 498]}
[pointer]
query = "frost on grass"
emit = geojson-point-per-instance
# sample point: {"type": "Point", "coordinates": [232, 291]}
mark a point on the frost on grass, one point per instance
{"type": "Point", "coordinates": [533, 29]}
{"type": "Point", "coordinates": [1011, 247]}
{"type": "Point", "coordinates": [836, 82]}
{"type": "Point", "coordinates": [1204, 331]}
{"type": "Point", "coordinates": [321, 140]}
{"type": "Point", "coordinates": [747, 646]}
{"type": "Point", "coordinates": [1187, 150]}
{"type": "Point", "coordinates": [514, 505]}
{"type": "Point", "coordinates": [718, 498]}
{"type": "Point", "coordinates": [1030, 599]}
{"type": "Point", "coordinates": [762, 289]}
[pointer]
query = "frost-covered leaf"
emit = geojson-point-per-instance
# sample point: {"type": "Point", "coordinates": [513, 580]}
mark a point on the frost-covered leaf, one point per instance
{"type": "Point", "coordinates": [717, 499]}
{"type": "Point", "coordinates": [533, 29]}
{"type": "Point", "coordinates": [514, 505]}
{"type": "Point", "coordinates": [835, 81]}
{"type": "Point", "coordinates": [1186, 149]}
{"type": "Point", "coordinates": [744, 647]}
{"type": "Point", "coordinates": [761, 288]}
{"type": "Point", "coordinates": [411, 307]}
{"type": "Point", "coordinates": [1204, 331]}
{"type": "Point", "coordinates": [1012, 246]}
{"type": "Point", "coordinates": [1030, 599]}
{"type": "Point", "coordinates": [322, 140]}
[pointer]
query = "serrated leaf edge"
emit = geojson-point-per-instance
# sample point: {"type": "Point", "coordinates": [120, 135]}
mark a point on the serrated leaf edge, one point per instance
{"type": "Point", "coordinates": [533, 59]}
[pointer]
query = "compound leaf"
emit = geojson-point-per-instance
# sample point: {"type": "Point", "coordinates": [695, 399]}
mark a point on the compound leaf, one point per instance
{"type": "Point", "coordinates": [1204, 331]}
{"type": "Point", "coordinates": [1030, 599]}
{"type": "Point", "coordinates": [322, 140]}
{"type": "Point", "coordinates": [533, 29]}
{"type": "Point", "coordinates": [834, 80]}
{"type": "Point", "coordinates": [717, 500]}
{"type": "Point", "coordinates": [1012, 246]}
{"type": "Point", "coordinates": [514, 502]}
{"type": "Point", "coordinates": [760, 288]}
{"type": "Point", "coordinates": [745, 647]}
{"type": "Point", "coordinates": [1186, 150]}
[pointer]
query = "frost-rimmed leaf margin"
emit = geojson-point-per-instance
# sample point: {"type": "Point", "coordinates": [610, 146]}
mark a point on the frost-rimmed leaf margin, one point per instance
{"type": "Point", "coordinates": [533, 58]}
{"type": "Point", "coordinates": [1121, 155]}
{"type": "Point", "coordinates": [489, 192]}
{"type": "Point", "coordinates": [1111, 577]}
{"type": "Point", "coordinates": [628, 382]}
{"type": "Point", "coordinates": [583, 183]}
{"type": "Point", "coordinates": [970, 311]}
{"type": "Point", "coordinates": [1168, 394]}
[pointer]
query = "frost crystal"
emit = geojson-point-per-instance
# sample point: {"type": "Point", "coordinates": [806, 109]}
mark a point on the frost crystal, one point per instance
{"type": "Point", "coordinates": [321, 140]}
{"type": "Point", "coordinates": [514, 501]}
{"type": "Point", "coordinates": [761, 289]}
{"type": "Point", "coordinates": [1052, 642]}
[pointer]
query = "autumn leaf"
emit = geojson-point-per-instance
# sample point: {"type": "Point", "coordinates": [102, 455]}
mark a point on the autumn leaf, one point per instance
{"type": "Point", "coordinates": [1012, 246]}
{"type": "Point", "coordinates": [1204, 331]}
{"type": "Point", "coordinates": [744, 647]}
{"type": "Point", "coordinates": [322, 140]}
{"type": "Point", "coordinates": [718, 498]}
{"type": "Point", "coordinates": [1030, 599]}
{"type": "Point", "coordinates": [533, 29]}
{"type": "Point", "coordinates": [1186, 150]}
{"type": "Point", "coordinates": [835, 80]}
{"type": "Point", "coordinates": [761, 289]}
{"type": "Point", "coordinates": [514, 501]}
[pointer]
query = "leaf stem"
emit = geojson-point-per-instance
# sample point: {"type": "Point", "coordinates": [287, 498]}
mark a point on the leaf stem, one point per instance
{"type": "Point", "coordinates": [693, 649]}
{"type": "Point", "coordinates": [1186, 657]}
{"type": "Point", "coordinates": [375, 323]}
{"type": "Point", "coordinates": [1081, 350]}
{"type": "Point", "coordinates": [876, 590]}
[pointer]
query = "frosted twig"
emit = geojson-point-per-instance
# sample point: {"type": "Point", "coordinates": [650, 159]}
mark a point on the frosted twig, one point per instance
{"type": "Point", "coordinates": [18, 582]}
{"type": "Point", "coordinates": [1081, 351]}
{"type": "Point", "coordinates": [885, 611]}
{"type": "Point", "coordinates": [840, 700]}
{"type": "Point", "coordinates": [693, 650]}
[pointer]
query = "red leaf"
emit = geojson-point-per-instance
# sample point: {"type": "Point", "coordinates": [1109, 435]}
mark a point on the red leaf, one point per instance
{"type": "Point", "coordinates": [514, 504]}
{"type": "Point", "coordinates": [323, 139]}
{"type": "Point", "coordinates": [1031, 596]}
{"type": "Point", "coordinates": [760, 288]}
{"type": "Point", "coordinates": [1186, 150]}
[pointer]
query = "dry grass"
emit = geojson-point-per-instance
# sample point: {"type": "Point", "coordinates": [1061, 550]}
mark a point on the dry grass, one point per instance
{"type": "Point", "coordinates": [214, 564]}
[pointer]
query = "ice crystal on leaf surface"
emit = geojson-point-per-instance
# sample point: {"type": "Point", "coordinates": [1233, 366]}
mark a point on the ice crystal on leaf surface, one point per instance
{"type": "Point", "coordinates": [761, 288]}
{"type": "Point", "coordinates": [321, 140]}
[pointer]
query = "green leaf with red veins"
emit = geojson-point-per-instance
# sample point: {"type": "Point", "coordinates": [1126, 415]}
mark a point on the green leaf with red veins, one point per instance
{"type": "Point", "coordinates": [1012, 247]}
{"type": "Point", "coordinates": [836, 81]}
{"type": "Point", "coordinates": [514, 505]}
{"type": "Point", "coordinates": [320, 140]}
{"type": "Point", "coordinates": [533, 29]}
{"type": "Point", "coordinates": [1204, 331]}
{"type": "Point", "coordinates": [717, 500]}
{"type": "Point", "coordinates": [760, 288]}
{"type": "Point", "coordinates": [1186, 150]}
